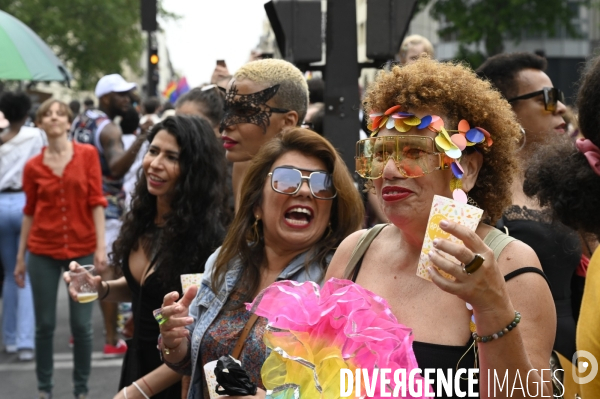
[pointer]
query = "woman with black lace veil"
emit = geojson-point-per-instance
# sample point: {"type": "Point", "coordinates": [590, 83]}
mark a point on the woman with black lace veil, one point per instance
{"type": "Point", "coordinates": [175, 223]}
{"type": "Point", "coordinates": [539, 109]}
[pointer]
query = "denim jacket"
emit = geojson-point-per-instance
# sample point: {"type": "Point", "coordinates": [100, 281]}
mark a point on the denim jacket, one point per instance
{"type": "Point", "coordinates": [205, 308]}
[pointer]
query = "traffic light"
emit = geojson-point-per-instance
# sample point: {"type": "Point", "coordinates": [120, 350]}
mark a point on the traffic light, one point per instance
{"type": "Point", "coordinates": [387, 23]}
{"type": "Point", "coordinates": [152, 75]}
{"type": "Point", "coordinates": [153, 57]}
{"type": "Point", "coordinates": [297, 28]}
{"type": "Point", "coordinates": [148, 13]}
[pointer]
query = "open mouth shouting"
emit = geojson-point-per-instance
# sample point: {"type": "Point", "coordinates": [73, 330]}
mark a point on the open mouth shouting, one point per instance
{"type": "Point", "coordinates": [298, 216]}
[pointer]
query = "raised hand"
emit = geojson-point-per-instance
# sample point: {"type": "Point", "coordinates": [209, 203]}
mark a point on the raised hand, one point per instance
{"type": "Point", "coordinates": [484, 289]}
{"type": "Point", "coordinates": [177, 317]}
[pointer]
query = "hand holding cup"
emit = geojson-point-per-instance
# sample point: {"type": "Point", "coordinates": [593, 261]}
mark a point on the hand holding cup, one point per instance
{"type": "Point", "coordinates": [83, 285]}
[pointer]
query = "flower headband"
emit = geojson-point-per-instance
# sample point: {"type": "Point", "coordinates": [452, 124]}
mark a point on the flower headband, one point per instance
{"type": "Point", "coordinates": [451, 145]}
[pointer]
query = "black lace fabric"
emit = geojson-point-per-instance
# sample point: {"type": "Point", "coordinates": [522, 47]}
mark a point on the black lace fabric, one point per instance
{"type": "Point", "coordinates": [249, 108]}
{"type": "Point", "coordinates": [515, 212]}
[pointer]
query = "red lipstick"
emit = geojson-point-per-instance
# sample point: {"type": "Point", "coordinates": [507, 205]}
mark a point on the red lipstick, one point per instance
{"type": "Point", "coordinates": [228, 143]}
{"type": "Point", "coordinates": [395, 193]}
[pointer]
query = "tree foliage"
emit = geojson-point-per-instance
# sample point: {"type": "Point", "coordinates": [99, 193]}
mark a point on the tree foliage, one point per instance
{"type": "Point", "coordinates": [92, 37]}
{"type": "Point", "coordinates": [490, 22]}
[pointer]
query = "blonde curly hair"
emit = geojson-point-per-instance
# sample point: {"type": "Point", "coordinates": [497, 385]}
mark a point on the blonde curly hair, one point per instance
{"type": "Point", "coordinates": [455, 91]}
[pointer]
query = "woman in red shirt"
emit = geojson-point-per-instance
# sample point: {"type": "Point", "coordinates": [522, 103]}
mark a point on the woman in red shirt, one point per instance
{"type": "Point", "coordinates": [63, 221]}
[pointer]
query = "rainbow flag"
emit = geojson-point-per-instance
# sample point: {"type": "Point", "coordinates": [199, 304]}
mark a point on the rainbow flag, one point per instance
{"type": "Point", "coordinates": [176, 90]}
{"type": "Point", "coordinates": [169, 90]}
{"type": "Point", "coordinates": [182, 86]}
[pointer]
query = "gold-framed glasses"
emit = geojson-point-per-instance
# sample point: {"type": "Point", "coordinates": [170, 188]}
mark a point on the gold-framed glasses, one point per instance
{"type": "Point", "coordinates": [413, 155]}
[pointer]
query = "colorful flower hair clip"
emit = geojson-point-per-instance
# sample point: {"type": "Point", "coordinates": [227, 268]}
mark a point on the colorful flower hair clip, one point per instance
{"type": "Point", "coordinates": [452, 145]}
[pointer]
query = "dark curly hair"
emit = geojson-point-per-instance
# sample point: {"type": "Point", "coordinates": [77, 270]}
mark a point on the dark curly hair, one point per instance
{"type": "Point", "coordinates": [347, 211]}
{"type": "Point", "coordinates": [15, 106]}
{"type": "Point", "coordinates": [560, 176]}
{"type": "Point", "coordinates": [194, 227]}
{"type": "Point", "coordinates": [502, 70]}
{"type": "Point", "coordinates": [455, 91]}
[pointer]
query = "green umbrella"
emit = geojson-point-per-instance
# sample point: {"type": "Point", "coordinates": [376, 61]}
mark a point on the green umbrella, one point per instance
{"type": "Point", "coordinates": [24, 56]}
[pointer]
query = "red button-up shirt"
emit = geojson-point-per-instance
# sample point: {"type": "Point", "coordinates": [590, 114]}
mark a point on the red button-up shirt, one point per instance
{"type": "Point", "coordinates": [61, 206]}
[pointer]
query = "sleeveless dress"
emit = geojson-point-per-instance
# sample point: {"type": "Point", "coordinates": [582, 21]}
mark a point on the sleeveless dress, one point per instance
{"type": "Point", "coordinates": [142, 356]}
{"type": "Point", "coordinates": [445, 357]}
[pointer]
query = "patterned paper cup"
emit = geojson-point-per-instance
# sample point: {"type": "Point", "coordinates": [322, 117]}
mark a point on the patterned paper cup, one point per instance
{"type": "Point", "coordinates": [445, 209]}
{"type": "Point", "coordinates": [187, 280]}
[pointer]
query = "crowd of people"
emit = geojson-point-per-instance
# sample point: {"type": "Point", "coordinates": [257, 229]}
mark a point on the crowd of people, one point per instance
{"type": "Point", "coordinates": [239, 184]}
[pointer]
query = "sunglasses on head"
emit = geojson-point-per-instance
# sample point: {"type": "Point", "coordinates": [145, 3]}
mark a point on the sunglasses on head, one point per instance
{"type": "Point", "coordinates": [552, 96]}
{"type": "Point", "coordinates": [414, 156]}
{"type": "Point", "coordinates": [288, 180]}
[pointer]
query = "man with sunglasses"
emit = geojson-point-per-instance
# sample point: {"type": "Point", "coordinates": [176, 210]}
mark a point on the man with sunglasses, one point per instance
{"type": "Point", "coordinates": [539, 107]}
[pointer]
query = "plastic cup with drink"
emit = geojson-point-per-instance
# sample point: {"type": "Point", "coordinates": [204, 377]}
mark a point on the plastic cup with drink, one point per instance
{"type": "Point", "coordinates": [82, 283]}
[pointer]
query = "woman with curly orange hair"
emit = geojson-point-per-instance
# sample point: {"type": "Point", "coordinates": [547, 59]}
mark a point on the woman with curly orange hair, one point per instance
{"type": "Point", "coordinates": [438, 130]}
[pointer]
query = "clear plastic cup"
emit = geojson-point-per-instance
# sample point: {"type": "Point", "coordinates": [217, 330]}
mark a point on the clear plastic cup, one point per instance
{"type": "Point", "coordinates": [82, 283]}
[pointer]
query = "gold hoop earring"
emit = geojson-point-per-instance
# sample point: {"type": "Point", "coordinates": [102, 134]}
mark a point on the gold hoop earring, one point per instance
{"type": "Point", "coordinates": [524, 138]}
{"type": "Point", "coordinates": [255, 233]}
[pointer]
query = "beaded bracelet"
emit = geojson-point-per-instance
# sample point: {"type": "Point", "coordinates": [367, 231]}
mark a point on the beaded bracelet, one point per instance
{"type": "Point", "coordinates": [500, 333]}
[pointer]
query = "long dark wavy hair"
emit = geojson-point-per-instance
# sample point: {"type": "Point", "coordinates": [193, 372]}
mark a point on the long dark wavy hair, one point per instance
{"type": "Point", "coordinates": [195, 226]}
{"type": "Point", "coordinates": [347, 211]}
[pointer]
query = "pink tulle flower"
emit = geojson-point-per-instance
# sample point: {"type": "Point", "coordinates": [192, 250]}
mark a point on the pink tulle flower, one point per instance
{"type": "Point", "coordinates": [314, 333]}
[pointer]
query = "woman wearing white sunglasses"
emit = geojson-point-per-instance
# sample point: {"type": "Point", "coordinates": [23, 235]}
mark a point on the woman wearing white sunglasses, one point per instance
{"type": "Point", "coordinates": [298, 202]}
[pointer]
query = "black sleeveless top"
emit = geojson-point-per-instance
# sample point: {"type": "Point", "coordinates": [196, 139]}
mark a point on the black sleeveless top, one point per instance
{"type": "Point", "coordinates": [144, 301]}
{"type": "Point", "coordinates": [142, 356]}
{"type": "Point", "coordinates": [559, 251]}
{"type": "Point", "coordinates": [435, 356]}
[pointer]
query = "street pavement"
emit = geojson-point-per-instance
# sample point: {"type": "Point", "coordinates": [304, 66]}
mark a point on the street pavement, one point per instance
{"type": "Point", "coordinates": [17, 379]}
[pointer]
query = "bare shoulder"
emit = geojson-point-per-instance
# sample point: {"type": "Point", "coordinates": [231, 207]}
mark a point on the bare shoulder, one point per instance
{"type": "Point", "coordinates": [516, 255]}
{"type": "Point", "coordinates": [340, 259]}
{"type": "Point", "coordinates": [110, 134]}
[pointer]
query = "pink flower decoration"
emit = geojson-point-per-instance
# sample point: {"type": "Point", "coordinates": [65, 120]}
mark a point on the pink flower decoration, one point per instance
{"type": "Point", "coordinates": [343, 315]}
